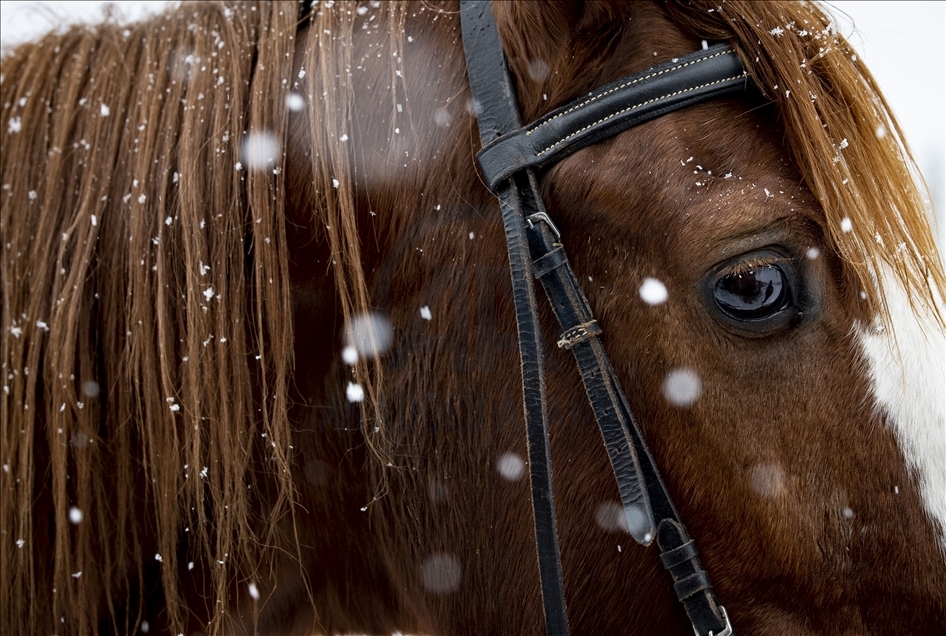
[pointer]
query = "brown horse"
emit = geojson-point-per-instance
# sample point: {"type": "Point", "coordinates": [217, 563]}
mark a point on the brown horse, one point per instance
{"type": "Point", "coordinates": [259, 355]}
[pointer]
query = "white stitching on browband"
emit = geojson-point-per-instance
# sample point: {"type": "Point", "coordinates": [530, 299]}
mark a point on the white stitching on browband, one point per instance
{"type": "Point", "coordinates": [630, 108]}
{"type": "Point", "coordinates": [626, 84]}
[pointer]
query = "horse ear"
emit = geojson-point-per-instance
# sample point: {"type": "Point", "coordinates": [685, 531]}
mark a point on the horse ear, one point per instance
{"type": "Point", "coordinates": [544, 40]}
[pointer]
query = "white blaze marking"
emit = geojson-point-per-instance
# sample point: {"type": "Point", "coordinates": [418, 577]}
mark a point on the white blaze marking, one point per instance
{"type": "Point", "coordinates": [908, 372]}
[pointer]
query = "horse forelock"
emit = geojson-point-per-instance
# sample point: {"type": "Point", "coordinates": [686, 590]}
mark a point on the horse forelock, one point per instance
{"type": "Point", "coordinates": [844, 138]}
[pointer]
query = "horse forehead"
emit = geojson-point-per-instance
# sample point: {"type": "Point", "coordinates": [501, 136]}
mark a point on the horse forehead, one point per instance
{"type": "Point", "coordinates": [704, 175]}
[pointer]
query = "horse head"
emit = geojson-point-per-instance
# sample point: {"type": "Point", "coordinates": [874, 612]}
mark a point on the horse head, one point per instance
{"type": "Point", "coordinates": [279, 349]}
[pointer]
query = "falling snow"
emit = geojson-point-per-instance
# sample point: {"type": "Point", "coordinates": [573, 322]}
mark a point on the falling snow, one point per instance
{"type": "Point", "coordinates": [294, 102]}
{"type": "Point", "coordinates": [682, 387]}
{"type": "Point", "coordinates": [425, 312]}
{"type": "Point", "coordinates": [371, 334]}
{"type": "Point", "coordinates": [653, 292]}
{"type": "Point", "coordinates": [610, 517]}
{"type": "Point", "coordinates": [259, 151]}
{"type": "Point", "coordinates": [355, 393]}
{"type": "Point", "coordinates": [441, 573]}
{"type": "Point", "coordinates": [538, 70]}
{"type": "Point", "coordinates": [510, 466]}
{"type": "Point", "coordinates": [75, 516]}
{"type": "Point", "coordinates": [442, 117]}
{"type": "Point", "coordinates": [350, 355]}
{"type": "Point", "coordinates": [767, 480]}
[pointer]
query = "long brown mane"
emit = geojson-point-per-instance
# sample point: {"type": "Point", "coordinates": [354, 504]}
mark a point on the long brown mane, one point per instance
{"type": "Point", "coordinates": [146, 331]}
{"type": "Point", "coordinates": [135, 325]}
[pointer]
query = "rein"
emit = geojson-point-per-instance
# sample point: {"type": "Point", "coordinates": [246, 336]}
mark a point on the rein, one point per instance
{"type": "Point", "coordinates": [508, 161]}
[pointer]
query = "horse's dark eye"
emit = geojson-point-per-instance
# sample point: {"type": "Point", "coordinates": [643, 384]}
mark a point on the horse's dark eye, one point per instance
{"type": "Point", "coordinates": [753, 294]}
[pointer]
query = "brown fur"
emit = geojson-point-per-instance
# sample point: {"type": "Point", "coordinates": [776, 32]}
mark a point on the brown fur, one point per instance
{"type": "Point", "coordinates": [290, 464]}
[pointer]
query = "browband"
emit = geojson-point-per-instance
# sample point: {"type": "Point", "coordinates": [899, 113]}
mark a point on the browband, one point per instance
{"type": "Point", "coordinates": [611, 109]}
{"type": "Point", "coordinates": [510, 156]}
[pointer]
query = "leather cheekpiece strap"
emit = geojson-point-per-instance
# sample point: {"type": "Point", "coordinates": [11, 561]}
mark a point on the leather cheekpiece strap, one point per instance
{"type": "Point", "coordinates": [510, 155]}
{"type": "Point", "coordinates": [548, 262]}
{"type": "Point", "coordinates": [691, 583]}
{"type": "Point", "coordinates": [676, 556]}
{"type": "Point", "coordinates": [497, 113]}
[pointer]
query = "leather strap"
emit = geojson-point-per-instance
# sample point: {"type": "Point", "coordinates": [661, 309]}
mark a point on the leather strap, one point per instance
{"type": "Point", "coordinates": [642, 492]}
{"type": "Point", "coordinates": [500, 115]}
{"type": "Point", "coordinates": [611, 109]}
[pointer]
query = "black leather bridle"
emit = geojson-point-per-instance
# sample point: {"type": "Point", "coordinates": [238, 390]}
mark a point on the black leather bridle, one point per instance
{"type": "Point", "coordinates": [508, 161]}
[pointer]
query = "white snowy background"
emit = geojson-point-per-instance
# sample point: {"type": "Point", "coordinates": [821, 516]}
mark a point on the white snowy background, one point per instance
{"type": "Point", "coordinates": [904, 44]}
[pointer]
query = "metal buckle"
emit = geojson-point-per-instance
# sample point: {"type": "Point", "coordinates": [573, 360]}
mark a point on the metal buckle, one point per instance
{"type": "Point", "coordinates": [542, 216]}
{"type": "Point", "coordinates": [727, 631]}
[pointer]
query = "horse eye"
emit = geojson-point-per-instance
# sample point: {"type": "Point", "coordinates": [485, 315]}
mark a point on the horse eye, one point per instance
{"type": "Point", "coordinates": [754, 294]}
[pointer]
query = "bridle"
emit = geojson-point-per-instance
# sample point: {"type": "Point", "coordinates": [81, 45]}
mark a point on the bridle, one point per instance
{"type": "Point", "coordinates": [508, 161]}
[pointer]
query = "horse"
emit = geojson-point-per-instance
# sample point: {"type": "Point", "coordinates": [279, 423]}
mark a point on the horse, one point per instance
{"type": "Point", "coordinates": [259, 353]}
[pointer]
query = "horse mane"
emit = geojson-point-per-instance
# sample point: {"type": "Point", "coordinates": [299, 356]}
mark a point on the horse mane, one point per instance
{"type": "Point", "coordinates": [146, 333]}
{"type": "Point", "coordinates": [145, 295]}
